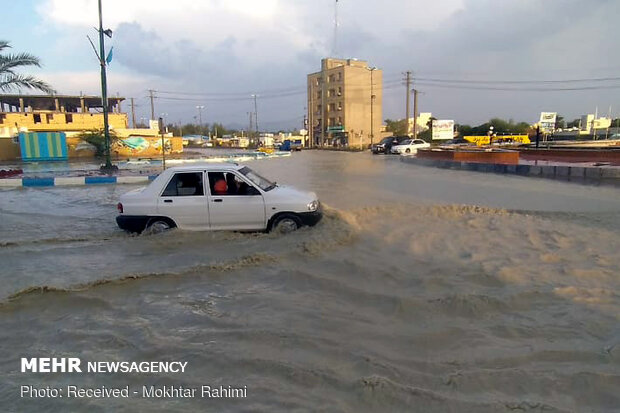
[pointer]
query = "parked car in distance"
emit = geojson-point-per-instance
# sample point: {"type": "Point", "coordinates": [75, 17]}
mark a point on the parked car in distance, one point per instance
{"type": "Point", "coordinates": [409, 146]}
{"type": "Point", "coordinates": [216, 197]}
{"type": "Point", "coordinates": [385, 145]}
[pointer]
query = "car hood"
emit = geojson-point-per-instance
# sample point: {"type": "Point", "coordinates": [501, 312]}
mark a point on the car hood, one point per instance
{"type": "Point", "coordinates": [288, 193]}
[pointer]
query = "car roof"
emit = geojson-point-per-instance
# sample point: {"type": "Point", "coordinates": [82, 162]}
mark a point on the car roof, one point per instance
{"type": "Point", "coordinates": [215, 166]}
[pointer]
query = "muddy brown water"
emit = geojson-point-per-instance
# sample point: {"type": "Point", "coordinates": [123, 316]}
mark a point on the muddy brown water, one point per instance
{"type": "Point", "coordinates": [421, 290]}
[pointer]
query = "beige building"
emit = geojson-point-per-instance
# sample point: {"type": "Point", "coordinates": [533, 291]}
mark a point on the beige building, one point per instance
{"type": "Point", "coordinates": [345, 102]}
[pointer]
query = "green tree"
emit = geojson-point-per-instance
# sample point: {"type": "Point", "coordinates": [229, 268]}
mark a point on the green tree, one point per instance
{"type": "Point", "coordinates": [97, 139]}
{"type": "Point", "coordinates": [427, 135]}
{"type": "Point", "coordinates": [10, 80]}
{"type": "Point", "coordinates": [397, 127]}
{"type": "Point", "coordinates": [463, 130]}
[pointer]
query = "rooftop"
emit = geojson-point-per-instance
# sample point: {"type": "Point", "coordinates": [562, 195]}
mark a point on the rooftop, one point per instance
{"type": "Point", "coordinates": [48, 102]}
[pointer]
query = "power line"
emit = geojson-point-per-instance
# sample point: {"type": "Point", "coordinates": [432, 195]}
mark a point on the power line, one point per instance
{"type": "Point", "coordinates": [583, 80]}
{"type": "Point", "coordinates": [515, 89]}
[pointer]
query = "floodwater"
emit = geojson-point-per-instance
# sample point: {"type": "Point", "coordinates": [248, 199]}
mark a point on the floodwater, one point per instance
{"type": "Point", "coordinates": [422, 289]}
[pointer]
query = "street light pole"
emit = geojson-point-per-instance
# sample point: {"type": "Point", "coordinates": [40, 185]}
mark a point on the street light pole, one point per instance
{"type": "Point", "coordinates": [104, 94]}
{"type": "Point", "coordinates": [372, 106]}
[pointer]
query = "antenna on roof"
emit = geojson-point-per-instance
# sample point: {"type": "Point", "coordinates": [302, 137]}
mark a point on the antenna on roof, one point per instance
{"type": "Point", "coordinates": [335, 51]}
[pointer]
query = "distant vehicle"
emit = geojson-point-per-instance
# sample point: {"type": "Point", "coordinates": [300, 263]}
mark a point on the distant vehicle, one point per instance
{"type": "Point", "coordinates": [386, 144]}
{"type": "Point", "coordinates": [409, 146]}
{"type": "Point", "coordinates": [196, 140]}
{"type": "Point", "coordinates": [296, 145]}
{"type": "Point", "coordinates": [216, 197]}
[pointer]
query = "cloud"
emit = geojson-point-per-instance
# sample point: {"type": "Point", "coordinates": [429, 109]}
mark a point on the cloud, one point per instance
{"type": "Point", "coordinates": [244, 46]}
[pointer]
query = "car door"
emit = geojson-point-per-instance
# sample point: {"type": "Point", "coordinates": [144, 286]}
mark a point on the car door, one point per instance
{"type": "Point", "coordinates": [183, 199]}
{"type": "Point", "coordinates": [240, 206]}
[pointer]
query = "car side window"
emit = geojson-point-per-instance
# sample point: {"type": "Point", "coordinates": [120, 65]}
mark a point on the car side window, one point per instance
{"type": "Point", "coordinates": [185, 184]}
{"type": "Point", "coordinates": [229, 183]}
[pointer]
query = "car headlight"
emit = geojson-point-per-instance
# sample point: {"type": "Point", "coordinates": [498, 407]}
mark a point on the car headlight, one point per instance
{"type": "Point", "coordinates": [313, 206]}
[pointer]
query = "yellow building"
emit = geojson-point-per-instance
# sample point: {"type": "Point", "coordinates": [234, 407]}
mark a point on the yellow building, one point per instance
{"type": "Point", "coordinates": [74, 115]}
{"type": "Point", "coordinates": [345, 102]}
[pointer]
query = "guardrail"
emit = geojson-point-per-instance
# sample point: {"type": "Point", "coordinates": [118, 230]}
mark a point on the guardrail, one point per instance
{"type": "Point", "coordinates": [74, 181]}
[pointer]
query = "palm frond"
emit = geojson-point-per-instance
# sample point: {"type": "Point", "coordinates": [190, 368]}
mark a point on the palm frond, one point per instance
{"type": "Point", "coordinates": [15, 82]}
{"type": "Point", "coordinates": [10, 62]}
{"type": "Point", "coordinates": [4, 45]}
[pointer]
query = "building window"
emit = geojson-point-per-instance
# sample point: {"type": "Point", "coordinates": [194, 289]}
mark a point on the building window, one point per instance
{"type": "Point", "coordinates": [331, 107]}
{"type": "Point", "coordinates": [339, 105]}
{"type": "Point", "coordinates": [339, 90]}
{"type": "Point", "coordinates": [339, 121]}
{"type": "Point", "coordinates": [37, 118]}
{"type": "Point", "coordinates": [319, 94]}
{"type": "Point", "coordinates": [49, 117]}
{"type": "Point", "coordinates": [332, 78]}
{"type": "Point", "coordinates": [68, 118]}
{"type": "Point", "coordinates": [331, 122]}
{"type": "Point", "coordinates": [2, 117]}
{"type": "Point", "coordinates": [339, 76]}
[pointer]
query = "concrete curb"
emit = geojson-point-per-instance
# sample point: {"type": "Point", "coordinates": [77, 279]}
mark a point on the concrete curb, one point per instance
{"type": "Point", "coordinates": [574, 173]}
{"type": "Point", "coordinates": [74, 181]}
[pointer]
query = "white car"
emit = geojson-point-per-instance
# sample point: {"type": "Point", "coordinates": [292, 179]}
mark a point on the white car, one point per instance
{"type": "Point", "coordinates": [216, 197]}
{"type": "Point", "coordinates": [410, 146]}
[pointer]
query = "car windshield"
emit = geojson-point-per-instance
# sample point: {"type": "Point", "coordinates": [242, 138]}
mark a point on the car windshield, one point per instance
{"type": "Point", "coordinates": [262, 183]}
{"type": "Point", "coordinates": [406, 142]}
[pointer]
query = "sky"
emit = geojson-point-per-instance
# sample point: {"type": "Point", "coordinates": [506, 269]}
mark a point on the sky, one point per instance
{"type": "Point", "coordinates": [217, 53]}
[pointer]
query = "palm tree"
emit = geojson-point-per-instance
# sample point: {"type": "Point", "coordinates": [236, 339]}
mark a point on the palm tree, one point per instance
{"type": "Point", "coordinates": [9, 80]}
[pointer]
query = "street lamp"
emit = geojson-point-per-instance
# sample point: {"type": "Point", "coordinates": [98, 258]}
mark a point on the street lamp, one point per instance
{"type": "Point", "coordinates": [372, 101]}
{"type": "Point", "coordinates": [108, 167]}
{"type": "Point", "coordinates": [490, 135]}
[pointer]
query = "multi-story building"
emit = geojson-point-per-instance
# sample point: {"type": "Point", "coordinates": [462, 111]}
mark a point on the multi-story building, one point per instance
{"type": "Point", "coordinates": [345, 102]}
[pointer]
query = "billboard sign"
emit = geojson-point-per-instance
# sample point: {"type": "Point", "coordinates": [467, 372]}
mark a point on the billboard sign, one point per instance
{"type": "Point", "coordinates": [443, 129]}
{"type": "Point", "coordinates": [547, 121]}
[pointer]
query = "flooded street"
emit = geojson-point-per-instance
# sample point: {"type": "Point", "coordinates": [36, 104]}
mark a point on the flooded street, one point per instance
{"type": "Point", "coordinates": [422, 289]}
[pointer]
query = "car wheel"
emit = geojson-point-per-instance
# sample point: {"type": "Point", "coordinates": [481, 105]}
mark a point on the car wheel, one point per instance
{"type": "Point", "coordinates": [285, 224]}
{"type": "Point", "coordinates": [408, 150]}
{"type": "Point", "coordinates": [157, 226]}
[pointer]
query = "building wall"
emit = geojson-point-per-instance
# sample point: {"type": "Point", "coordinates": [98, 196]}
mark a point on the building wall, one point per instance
{"type": "Point", "coordinates": [9, 149]}
{"type": "Point", "coordinates": [343, 98]}
{"type": "Point", "coordinates": [44, 121]}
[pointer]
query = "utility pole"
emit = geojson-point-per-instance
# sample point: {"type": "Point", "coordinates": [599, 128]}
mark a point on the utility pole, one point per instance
{"type": "Point", "coordinates": [160, 123]}
{"type": "Point", "coordinates": [255, 114]}
{"type": "Point", "coordinates": [200, 108]}
{"type": "Point", "coordinates": [250, 127]}
{"type": "Point", "coordinates": [415, 113]}
{"type": "Point", "coordinates": [152, 104]}
{"type": "Point", "coordinates": [311, 116]}
{"type": "Point", "coordinates": [323, 102]}
{"type": "Point", "coordinates": [133, 114]}
{"type": "Point", "coordinates": [408, 82]}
